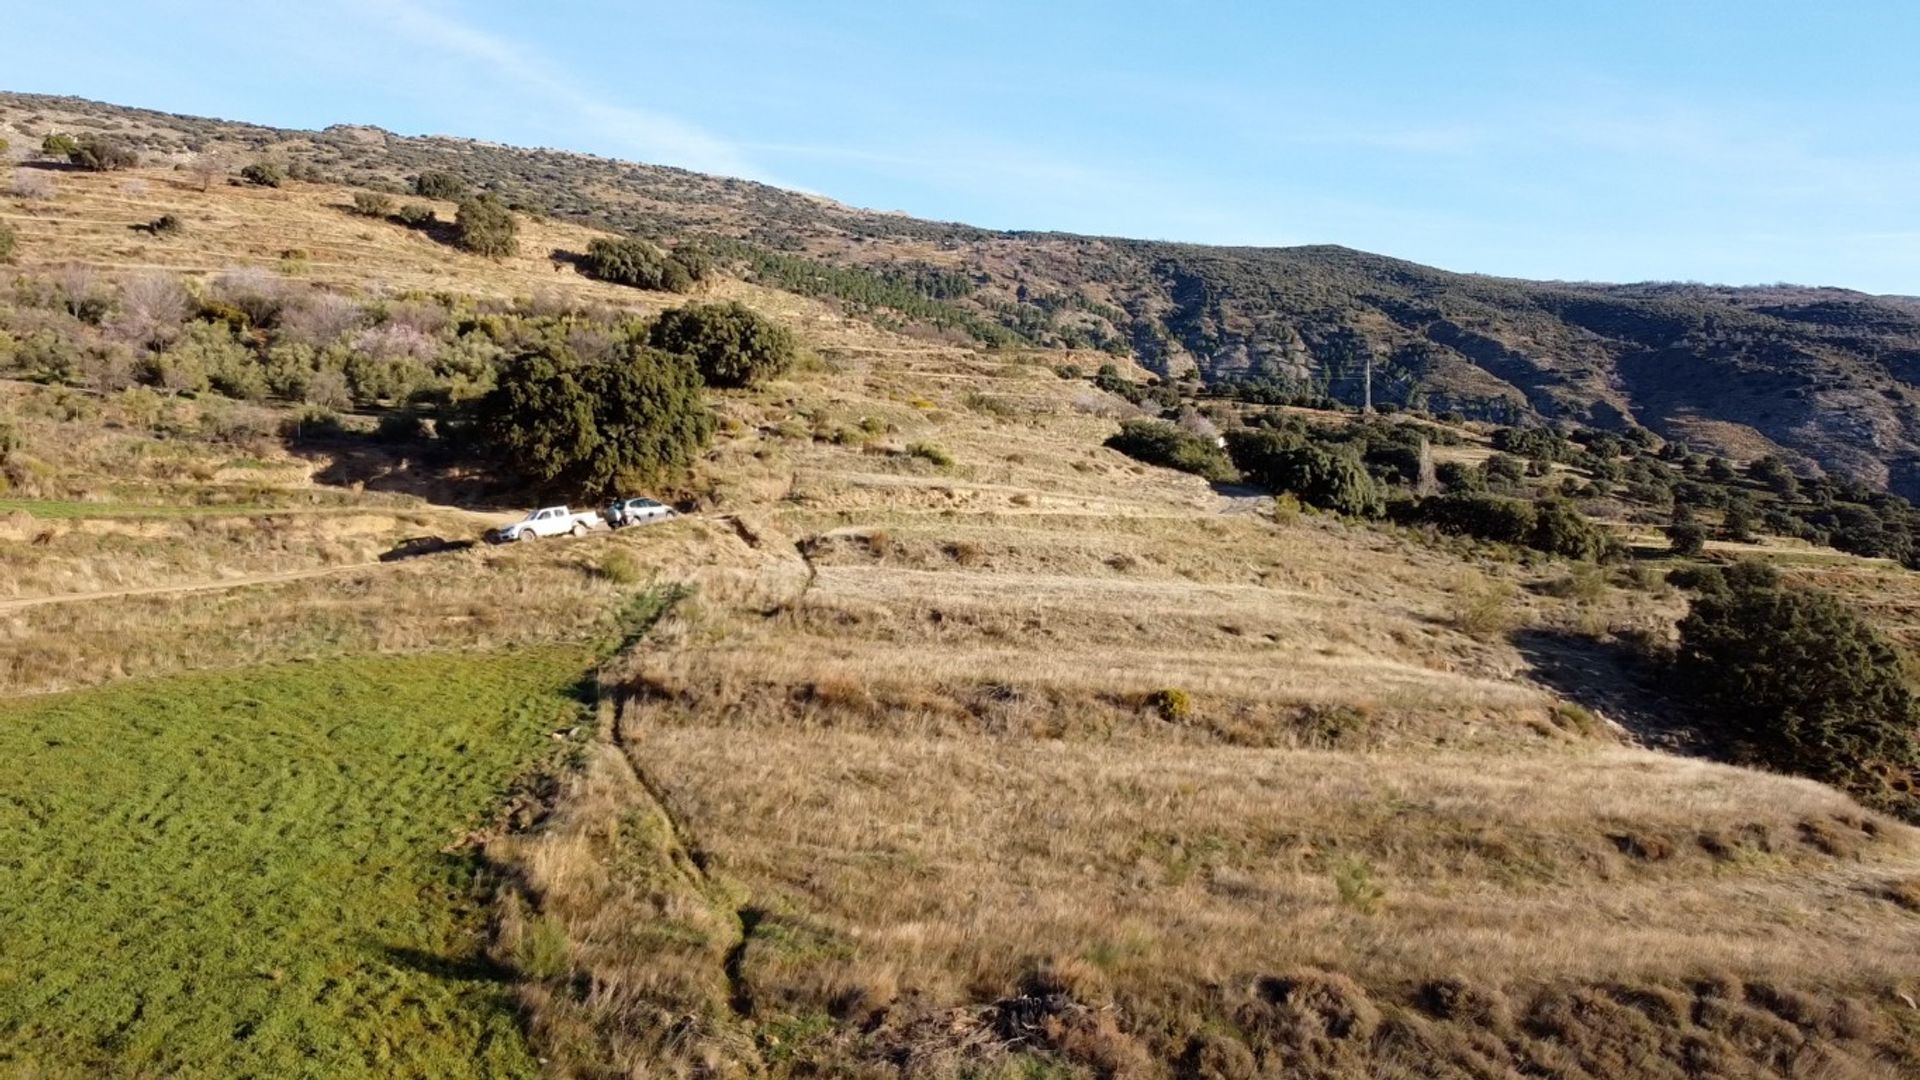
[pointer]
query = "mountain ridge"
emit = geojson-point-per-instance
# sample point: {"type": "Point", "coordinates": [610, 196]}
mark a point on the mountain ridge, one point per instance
{"type": "Point", "coordinates": [1827, 378]}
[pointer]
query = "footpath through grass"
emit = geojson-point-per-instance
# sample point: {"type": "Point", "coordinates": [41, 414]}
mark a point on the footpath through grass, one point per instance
{"type": "Point", "coordinates": [246, 874]}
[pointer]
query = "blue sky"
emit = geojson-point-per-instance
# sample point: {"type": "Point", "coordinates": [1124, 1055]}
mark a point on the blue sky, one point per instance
{"type": "Point", "coordinates": [1730, 142]}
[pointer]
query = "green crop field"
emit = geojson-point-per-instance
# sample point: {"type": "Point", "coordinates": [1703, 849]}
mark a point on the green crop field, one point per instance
{"type": "Point", "coordinates": [252, 873]}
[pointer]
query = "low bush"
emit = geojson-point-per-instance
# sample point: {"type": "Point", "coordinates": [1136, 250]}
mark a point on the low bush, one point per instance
{"type": "Point", "coordinates": [1799, 681]}
{"type": "Point", "coordinates": [166, 225]}
{"type": "Point", "coordinates": [99, 154]}
{"type": "Point", "coordinates": [1159, 442]}
{"type": "Point", "coordinates": [9, 240]}
{"type": "Point", "coordinates": [415, 215]}
{"type": "Point", "coordinates": [486, 227]}
{"type": "Point", "coordinates": [439, 185]}
{"type": "Point", "coordinates": [730, 343]}
{"type": "Point", "coordinates": [636, 263]}
{"type": "Point", "coordinates": [1686, 539]}
{"type": "Point", "coordinates": [931, 454]}
{"type": "Point", "coordinates": [1485, 517]}
{"type": "Point", "coordinates": [1560, 529]}
{"type": "Point", "coordinates": [264, 174]}
{"type": "Point", "coordinates": [1329, 479]}
{"type": "Point", "coordinates": [372, 204]}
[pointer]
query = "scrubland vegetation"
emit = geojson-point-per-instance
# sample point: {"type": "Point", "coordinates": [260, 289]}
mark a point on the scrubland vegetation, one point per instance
{"type": "Point", "coordinates": [985, 719]}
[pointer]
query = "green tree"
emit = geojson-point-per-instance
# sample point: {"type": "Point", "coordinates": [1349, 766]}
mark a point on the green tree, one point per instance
{"type": "Point", "coordinates": [101, 154]}
{"type": "Point", "coordinates": [1560, 529]}
{"type": "Point", "coordinates": [1686, 538]}
{"type": "Point", "coordinates": [637, 263]}
{"type": "Point", "coordinates": [440, 185]}
{"type": "Point", "coordinates": [1800, 682]}
{"type": "Point", "coordinates": [568, 424]}
{"type": "Point", "coordinates": [372, 204]}
{"type": "Point", "coordinates": [264, 174]}
{"type": "Point", "coordinates": [1160, 442]}
{"type": "Point", "coordinates": [1326, 478]}
{"type": "Point", "coordinates": [58, 145]}
{"type": "Point", "coordinates": [731, 344]}
{"type": "Point", "coordinates": [486, 227]}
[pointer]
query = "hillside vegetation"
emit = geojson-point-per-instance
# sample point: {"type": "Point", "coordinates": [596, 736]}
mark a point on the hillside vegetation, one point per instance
{"type": "Point", "coordinates": [991, 711]}
{"type": "Point", "coordinates": [1824, 377]}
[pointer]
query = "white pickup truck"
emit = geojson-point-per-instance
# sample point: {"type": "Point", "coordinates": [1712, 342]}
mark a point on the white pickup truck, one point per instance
{"type": "Point", "coordinates": [547, 521]}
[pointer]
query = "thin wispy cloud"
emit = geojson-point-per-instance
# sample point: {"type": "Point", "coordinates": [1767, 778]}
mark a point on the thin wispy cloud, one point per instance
{"type": "Point", "coordinates": [645, 134]}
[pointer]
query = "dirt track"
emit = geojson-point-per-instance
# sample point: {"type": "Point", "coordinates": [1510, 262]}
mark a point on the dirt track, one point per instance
{"type": "Point", "coordinates": [193, 586]}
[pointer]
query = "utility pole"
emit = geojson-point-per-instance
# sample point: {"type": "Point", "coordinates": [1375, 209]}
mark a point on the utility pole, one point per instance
{"type": "Point", "coordinates": [1368, 407]}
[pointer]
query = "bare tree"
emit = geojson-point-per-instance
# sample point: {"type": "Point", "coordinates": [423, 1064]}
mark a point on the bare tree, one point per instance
{"type": "Point", "coordinates": [205, 168]}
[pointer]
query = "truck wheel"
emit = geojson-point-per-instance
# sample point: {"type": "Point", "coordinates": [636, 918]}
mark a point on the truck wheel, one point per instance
{"type": "Point", "coordinates": [527, 534]}
{"type": "Point", "coordinates": [578, 530]}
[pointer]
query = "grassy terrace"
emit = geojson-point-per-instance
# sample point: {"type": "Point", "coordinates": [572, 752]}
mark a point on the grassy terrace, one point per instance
{"type": "Point", "coordinates": [258, 872]}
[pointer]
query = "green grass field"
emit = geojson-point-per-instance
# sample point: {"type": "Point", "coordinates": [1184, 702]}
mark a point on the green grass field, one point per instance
{"type": "Point", "coordinates": [247, 874]}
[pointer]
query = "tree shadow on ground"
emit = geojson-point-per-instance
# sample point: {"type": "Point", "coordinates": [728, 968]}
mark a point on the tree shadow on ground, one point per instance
{"type": "Point", "coordinates": [476, 968]}
{"type": "Point", "coordinates": [425, 470]}
{"type": "Point", "coordinates": [1614, 679]}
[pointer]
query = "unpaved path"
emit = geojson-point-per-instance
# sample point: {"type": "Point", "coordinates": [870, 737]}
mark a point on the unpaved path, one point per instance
{"type": "Point", "coordinates": [186, 587]}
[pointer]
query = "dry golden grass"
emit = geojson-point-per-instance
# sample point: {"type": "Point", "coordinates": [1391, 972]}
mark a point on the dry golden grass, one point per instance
{"type": "Point", "coordinates": [902, 786]}
{"type": "Point", "coordinates": [930, 772]}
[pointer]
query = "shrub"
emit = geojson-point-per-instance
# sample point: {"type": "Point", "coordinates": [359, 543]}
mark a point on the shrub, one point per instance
{"type": "Point", "coordinates": [166, 225]}
{"type": "Point", "coordinates": [486, 227]}
{"type": "Point", "coordinates": [1505, 469]}
{"type": "Point", "coordinates": [263, 174]}
{"type": "Point", "coordinates": [1559, 529]}
{"type": "Point", "coordinates": [415, 215]}
{"type": "Point", "coordinates": [372, 204]}
{"type": "Point", "coordinates": [1801, 682]}
{"type": "Point", "coordinates": [1686, 539]}
{"type": "Point", "coordinates": [634, 414]}
{"type": "Point", "coordinates": [1486, 610]}
{"type": "Point", "coordinates": [440, 185]}
{"type": "Point", "coordinates": [931, 454]}
{"type": "Point", "coordinates": [1173, 705]}
{"type": "Point", "coordinates": [59, 146]}
{"type": "Point", "coordinates": [1159, 442]}
{"type": "Point", "coordinates": [1486, 517]}
{"type": "Point", "coordinates": [1455, 476]}
{"type": "Point", "coordinates": [730, 343]}
{"type": "Point", "coordinates": [1738, 525]}
{"type": "Point", "coordinates": [100, 154]}
{"type": "Point", "coordinates": [1328, 479]}
{"type": "Point", "coordinates": [8, 241]}
{"type": "Point", "coordinates": [636, 263]}
{"type": "Point", "coordinates": [1108, 378]}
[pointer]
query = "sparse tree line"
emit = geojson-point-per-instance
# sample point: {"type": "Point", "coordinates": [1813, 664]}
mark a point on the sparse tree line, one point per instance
{"type": "Point", "coordinates": [566, 397]}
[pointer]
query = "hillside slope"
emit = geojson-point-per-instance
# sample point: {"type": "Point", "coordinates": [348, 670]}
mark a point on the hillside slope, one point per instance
{"type": "Point", "coordinates": [965, 746]}
{"type": "Point", "coordinates": [1821, 375]}
{"type": "Point", "coordinates": [1825, 377]}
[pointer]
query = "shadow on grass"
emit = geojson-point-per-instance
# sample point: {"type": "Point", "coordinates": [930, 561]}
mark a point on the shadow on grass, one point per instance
{"type": "Point", "coordinates": [477, 968]}
{"type": "Point", "coordinates": [1615, 679]}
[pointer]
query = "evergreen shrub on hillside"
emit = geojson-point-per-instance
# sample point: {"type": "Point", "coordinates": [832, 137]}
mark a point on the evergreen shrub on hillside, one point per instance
{"type": "Point", "coordinates": [440, 185]}
{"type": "Point", "coordinates": [731, 344]}
{"type": "Point", "coordinates": [99, 154]}
{"type": "Point", "coordinates": [264, 174]}
{"type": "Point", "coordinates": [1163, 443]}
{"type": "Point", "coordinates": [634, 414]}
{"type": "Point", "coordinates": [486, 227]}
{"type": "Point", "coordinates": [1328, 478]}
{"type": "Point", "coordinates": [636, 263]}
{"type": "Point", "coordinates": [1799, 681]}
